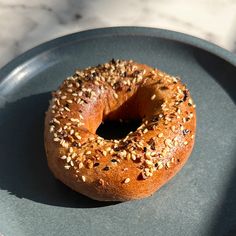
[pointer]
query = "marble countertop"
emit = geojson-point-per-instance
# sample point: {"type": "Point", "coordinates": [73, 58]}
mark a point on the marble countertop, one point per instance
{"type": "Point", "coordinates": [25, 24]}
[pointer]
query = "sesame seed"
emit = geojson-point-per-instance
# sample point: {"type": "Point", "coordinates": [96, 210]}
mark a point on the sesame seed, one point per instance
{"type": "Point", "coordinates": [74, 120]}
{"type": "Point", "coordinates": [56, 121]}
{"type": "Point", "coordinates": [160, 165]}
{"type": "Point", "coordinates": [128, 156]}
{"type": "Point", "coordinates": [81, 165]}
{"type": "Point", "coordinates": [153, 97]}
{"type": "Point", "coordinates": [160, 135]}
{"type": "Point", "coordinates": [90, 165]}
{"type": "Point", "coordinates": [59, 130]}
{"type": "Point", "coordinates": [83, 178]}
{"type": "Point", "coordinates": [165, 150]}
{"type": "Point", "coordinates": [69, 101]}
{"type": "Point", "coordinates": [185, 143]}
{"type": "Point", "coordinates": [67, 167]}
{"type": "Point", "coordinates": [65, 144]}
{"type": "Point", "coordinates": [185, 131]}
{"type": "Point", "coordinates": [148, 154]}
{"type": "Point", "coordinates": [127, 180]}
{"type": "Point", "coordinates": [167, 118]}
{"type": "Point", "coordinates": [115, 95]}
{"type": "Point", "coordinates": [74, 154]}
{"type": "Point", "coordinates": [77, 85]}
{"type": "Point", "coordinates": [168, 164]}
{"type": "Point", "coordinates": [168, 142]}
{"type": "Point", "coordinates": [145, 131]}
{"type": "Point", "coordinates": [52, 127]}
{"type": "Point", "coordinates": [58, 102]}
{"type": "Point", "coordinates": [133, 157]}
{"type": "Point", "coordinates": [175, 80]}
{"type": "Point", "coordinates": [63, 157]}
{"type": "Point", "coordinates": [101, 182]}
{"type": "Point", "coordinates": [149, 163]}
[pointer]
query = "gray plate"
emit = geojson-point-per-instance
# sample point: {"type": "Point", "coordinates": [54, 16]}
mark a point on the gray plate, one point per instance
{"type": "Point", "coordinates": [200, 200]}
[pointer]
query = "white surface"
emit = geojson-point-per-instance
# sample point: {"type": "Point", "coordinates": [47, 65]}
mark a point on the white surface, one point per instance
{"type": "Point", "coordinates": [25, 24]}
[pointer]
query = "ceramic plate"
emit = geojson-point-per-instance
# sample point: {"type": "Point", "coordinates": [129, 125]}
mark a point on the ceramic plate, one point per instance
{"type": "Point", "coordinates": [200, 200]}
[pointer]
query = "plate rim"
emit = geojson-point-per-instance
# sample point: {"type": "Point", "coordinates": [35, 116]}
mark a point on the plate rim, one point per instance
{"type": "Point", "coordinates": [118, 31]}
{"type": "Point", "coordinates": [88, 34]}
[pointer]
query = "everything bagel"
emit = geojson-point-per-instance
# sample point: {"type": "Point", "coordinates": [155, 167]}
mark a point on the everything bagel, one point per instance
{"type": "Point", "coordinates": [137, 165]}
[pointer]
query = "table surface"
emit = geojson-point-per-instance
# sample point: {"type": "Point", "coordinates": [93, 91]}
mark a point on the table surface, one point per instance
{"type": "Point", "coordinates": [25, 24]}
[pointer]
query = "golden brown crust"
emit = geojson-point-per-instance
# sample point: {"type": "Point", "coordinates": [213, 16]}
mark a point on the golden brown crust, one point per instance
{"type": "Point", "coordinates": [130, 168]}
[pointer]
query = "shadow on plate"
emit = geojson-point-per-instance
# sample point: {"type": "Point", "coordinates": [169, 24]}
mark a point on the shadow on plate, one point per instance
{"type": "Point", "coordinates": [23, 170]}
{"type": "Point", "coordinates": [220, 70]}
{"type": "Point", "coordinates": [224, 221]}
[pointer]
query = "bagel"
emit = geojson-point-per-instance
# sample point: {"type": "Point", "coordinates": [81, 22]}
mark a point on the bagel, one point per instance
{"type": "Point", "coordinates": [137, 165]}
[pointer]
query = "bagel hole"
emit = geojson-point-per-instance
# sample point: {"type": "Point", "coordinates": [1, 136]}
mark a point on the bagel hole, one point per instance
{"type": "Point", "coordinates": [117, 129]}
